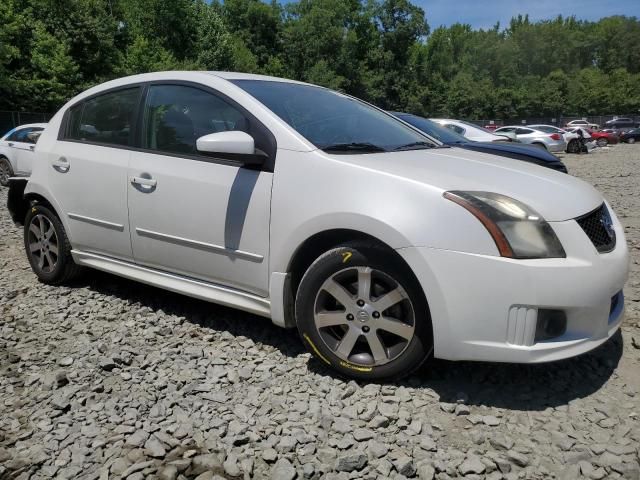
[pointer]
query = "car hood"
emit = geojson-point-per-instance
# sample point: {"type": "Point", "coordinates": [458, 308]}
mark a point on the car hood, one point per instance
{"type": "Point", "coordinates": [554, 195]}
{"type": "Point", "coordinates": [516, 148]}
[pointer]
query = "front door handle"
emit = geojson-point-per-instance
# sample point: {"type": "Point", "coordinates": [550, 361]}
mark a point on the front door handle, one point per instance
{"type": "Point", "coordinates": [61, 165]}
{"type": "Point", "coordinates": [32, 147]}
{"type": "Point", "coordinates": [144, 182]}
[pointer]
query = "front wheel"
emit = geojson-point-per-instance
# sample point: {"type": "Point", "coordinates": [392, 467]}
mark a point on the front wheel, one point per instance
{"type": "Point", "coordinates": [48, 248]}
{"type": "Point", "coordinates": [6, 172]}
{"type": "Point", "coordinates": [631, 140]}
{"type": "Point", "coordinates": [361, 311]}
{"type": "Point", "coordinates": [602, 142]}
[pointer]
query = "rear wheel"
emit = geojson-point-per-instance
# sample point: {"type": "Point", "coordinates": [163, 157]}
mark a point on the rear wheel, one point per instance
{"type": "Point", "coordinates": [6, 172]}
{"type": "Point", "coordinates": [631, 140]}
{"type": "Point", "coordinates": [574, 146]}
{"type": "Point", "coordinates": [363, 314]}
{"type": "Point", "coordinates": [48, 248]}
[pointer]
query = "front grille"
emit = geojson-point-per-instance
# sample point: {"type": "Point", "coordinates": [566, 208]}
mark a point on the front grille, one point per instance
{"type": "Point", "coordinates": [599, 228]}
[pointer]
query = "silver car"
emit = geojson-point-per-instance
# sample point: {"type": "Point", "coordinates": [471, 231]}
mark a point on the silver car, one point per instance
{"type": "Point", "coordinates": [553, 142]}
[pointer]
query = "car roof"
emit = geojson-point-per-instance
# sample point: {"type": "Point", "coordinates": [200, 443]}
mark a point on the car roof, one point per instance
{"type": "Point", "coordinates": [30, 125]}
{"type": "Point", "coordinates": [252, 76]}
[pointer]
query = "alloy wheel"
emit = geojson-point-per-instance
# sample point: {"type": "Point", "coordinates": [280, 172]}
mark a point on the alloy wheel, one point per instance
{"type": "Point", "coordinates": [4, 173]}
{"type": "Point", "coordinates": [364, 316]}
{"type": "Point", "coordinates": [43, 243]}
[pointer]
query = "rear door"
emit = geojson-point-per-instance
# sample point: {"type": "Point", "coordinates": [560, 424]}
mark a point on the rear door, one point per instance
{"type": "Point", "coordinates": [196, 215]}
{"type": "Point", "coordinates": [26, 154]}
{"type": "Point", "coordinates": [88, 175]}
{"type": "Point", "coordinates": [17, 144]}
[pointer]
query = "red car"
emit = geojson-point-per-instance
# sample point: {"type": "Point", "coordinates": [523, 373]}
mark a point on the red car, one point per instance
{"type": "Point", "coordinates": [603, 138]}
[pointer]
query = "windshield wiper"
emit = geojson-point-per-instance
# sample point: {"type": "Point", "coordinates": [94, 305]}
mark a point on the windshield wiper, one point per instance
{"type": "Point", "coordinates": [415, 146]}
{"type": "Point", "coordinates": [353, 147]}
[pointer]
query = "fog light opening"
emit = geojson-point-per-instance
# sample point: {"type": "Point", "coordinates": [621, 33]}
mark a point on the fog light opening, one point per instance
{"type": "Point", "coordinates": [550, 324]}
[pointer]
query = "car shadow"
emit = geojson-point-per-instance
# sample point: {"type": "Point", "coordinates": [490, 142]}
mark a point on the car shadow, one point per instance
{"type": "Point", "coordinates": [503, 385]}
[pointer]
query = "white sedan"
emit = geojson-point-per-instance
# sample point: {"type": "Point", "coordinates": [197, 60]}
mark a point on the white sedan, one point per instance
{"type": "Point", "coordinates": [16, 151]}
{"type": "Point", "coordinates": [326, 214]}
{"type": "Point", "coordinates": [471, 131]}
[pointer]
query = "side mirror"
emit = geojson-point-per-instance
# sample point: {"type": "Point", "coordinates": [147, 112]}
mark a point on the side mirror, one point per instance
{"type": "Point", "coordinates": [234, 145]}
{"type": "Point", "coordinates": [233, 141]}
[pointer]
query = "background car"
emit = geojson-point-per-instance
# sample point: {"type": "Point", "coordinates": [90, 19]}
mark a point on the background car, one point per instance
{"type": "Point", "coordinates": [470, 131]}
{"type": "Point", "coordinates": [584, 124]}
{"type": "Point", "coordinates": [16, 151]}
{"type": "Point", "coordinates": [632, 136]}
{"type": "Point", "coordinates": [622, 123]}
{"type": "Point", "coordinates": [513, 150]}
{"type": "Point", "coordinates": [554, 142]}
{"type": "Point", "coordinates": [570, 138]}
{"type": "Point", "coordinates": [588, 142]}
{"type": "Point", "coordinates": [603, 138]}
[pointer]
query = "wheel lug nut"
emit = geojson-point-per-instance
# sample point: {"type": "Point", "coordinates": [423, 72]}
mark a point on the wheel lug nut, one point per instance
{"type": "Point", "coordinates": [365, 329]}
{"type": "Point", "coordinates": [349, 317]}
{"type": "Point", "coordinates": [360, 303]}
{"type": "Point", "coordinates": [376, 314]}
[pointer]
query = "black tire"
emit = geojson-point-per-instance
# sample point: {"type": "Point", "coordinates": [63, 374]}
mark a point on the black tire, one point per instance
{"type": "Point", "coordinates": [602, 142]}
{"type": "Point", "coordinates": [5, 171]}
{"type": "Point", "coordinates": [574, 146]}
{"type": "Point", "coordinates": [340, 261]}
{"type": "Point", "coordinates": [631, 140]}
{"type": "Point", "coordinates": [64, 268]}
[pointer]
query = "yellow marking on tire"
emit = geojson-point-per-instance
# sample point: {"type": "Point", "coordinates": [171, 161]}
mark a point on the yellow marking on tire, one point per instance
{"type": "Point", "coordinates": [315, 349]}
{"type": "Point", "coordinates": [355, 367]}
{"type": "Point", "coordinates": [346, 256]}
{"type": "Point", "coordinates": [33, 209]}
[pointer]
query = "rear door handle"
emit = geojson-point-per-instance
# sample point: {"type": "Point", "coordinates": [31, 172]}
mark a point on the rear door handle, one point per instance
{"type": "Point", "coordinates": [61, 165]}
{"type": "Point", "coordinates": [10, 144]}
{"type": "Point", "coordinates": [144, 182]}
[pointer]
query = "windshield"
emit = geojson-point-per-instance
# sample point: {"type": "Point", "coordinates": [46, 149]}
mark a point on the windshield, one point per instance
{"type": "Point", "coordinates": [445, 135]}
{"type": "Point", "coordinates": [333, 121]}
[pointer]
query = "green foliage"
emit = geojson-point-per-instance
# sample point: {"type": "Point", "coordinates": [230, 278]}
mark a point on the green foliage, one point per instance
{"type": "Point", "coordinates": [379, 50]}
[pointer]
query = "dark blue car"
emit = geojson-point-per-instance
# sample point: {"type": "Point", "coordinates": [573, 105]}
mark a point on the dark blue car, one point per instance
{"type": "Point", "coordinates": [517, 151]}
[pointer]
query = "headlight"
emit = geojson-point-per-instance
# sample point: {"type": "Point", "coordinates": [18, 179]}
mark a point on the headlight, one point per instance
{"type": "Point", "coordinates": [518, 230]}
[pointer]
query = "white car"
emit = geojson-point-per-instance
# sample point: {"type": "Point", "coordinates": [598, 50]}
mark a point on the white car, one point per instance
{"type": "Point", "coordinates": [471, 131]}
{"type": "Point", "coordinates": [16, 151]}
{"type": "Point", "coordinates": [583, 124]}
{"type": "Point", "coordinates": [570, 138]}
{"type": "Point", "coordinates": [553, 142]}
{"type": "Point", "coordinates": [322, 212]}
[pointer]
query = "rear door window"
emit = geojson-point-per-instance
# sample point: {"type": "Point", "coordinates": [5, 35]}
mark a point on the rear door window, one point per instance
{"type": "Point", "coordinates": [105, 119]}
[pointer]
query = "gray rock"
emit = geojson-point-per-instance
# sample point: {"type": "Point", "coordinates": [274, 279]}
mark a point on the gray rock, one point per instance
{"type": "Point", "coordinates": [283, 470]}
{"type": "Point", "coordinates": [154, 448]}
{"type": "Point", "coordinates": [517, 458]}
{"type": "Point", "coordinates": [362, 434]}
{"type": "Point", "coordinates": [351, 461]}
{"type": "Point", "coordinates": [170, 472]}
{"type": "Point", "coordinates": [404, 466]}
{"type": "Point", "coordinates": [137, 439]}
{"type": "Point", "coordinates": [472, 464]}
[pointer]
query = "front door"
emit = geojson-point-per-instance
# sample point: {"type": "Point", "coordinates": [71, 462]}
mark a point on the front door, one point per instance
{"type": "Point", "coordinates": [192, 214]}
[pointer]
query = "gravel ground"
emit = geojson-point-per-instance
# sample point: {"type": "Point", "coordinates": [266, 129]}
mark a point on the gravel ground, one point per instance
{"type": "Point", "coordinates": [112, 379]}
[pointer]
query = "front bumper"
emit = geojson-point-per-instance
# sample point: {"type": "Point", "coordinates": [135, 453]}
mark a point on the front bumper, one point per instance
{"type": "Point", "coordinates": [485, 307]}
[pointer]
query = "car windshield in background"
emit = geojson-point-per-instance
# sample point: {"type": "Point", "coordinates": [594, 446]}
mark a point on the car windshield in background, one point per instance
{"type": "Point", "coordinates": [445, 135]}
{"type": "Point", "coordinates": [545, 129]}
{"type": "Point", "coordinates": [332, 121]}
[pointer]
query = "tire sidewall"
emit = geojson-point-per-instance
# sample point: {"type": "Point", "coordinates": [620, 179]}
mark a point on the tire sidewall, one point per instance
{"type": "Point", "coordinates": [58, 271]}
{"type": "Point", "coordinates": [339, 259]}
